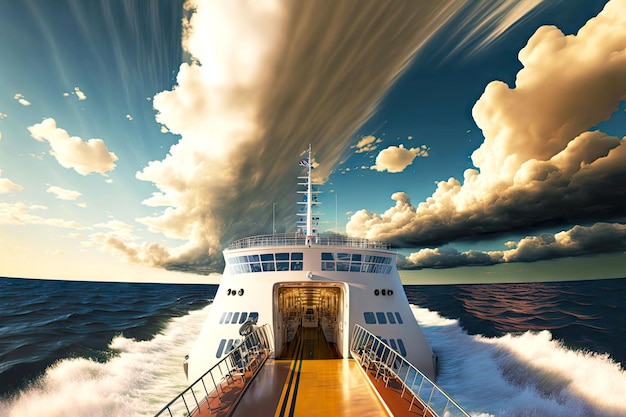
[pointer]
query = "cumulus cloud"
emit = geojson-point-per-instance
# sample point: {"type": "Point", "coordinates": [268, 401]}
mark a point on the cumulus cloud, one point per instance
{"type": "Point", "coordinates": [540, 163]}
{"type": "Point", "coordinates": [397, 158]}
{"type": "Point", "coordinates": [367, 144]}
{"type": "Point", "coordinates": [20, 99]}
{"type": "Point", "coordinates": [577, 241]}
{"type": "Point", "coordinates": [79, 94]}
{"type": "Point", "coordinates": [63, 193]}
{"type": "Point", "coordinates": [72, 152]}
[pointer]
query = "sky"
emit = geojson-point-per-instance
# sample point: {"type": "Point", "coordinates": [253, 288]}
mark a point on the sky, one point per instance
{"type": "Point", "coordinates": [484, 139]}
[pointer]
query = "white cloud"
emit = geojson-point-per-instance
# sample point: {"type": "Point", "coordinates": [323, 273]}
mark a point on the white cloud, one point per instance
{"type": "Point", "coordinates": [266, 79]}
{"type": "Point", "coordinates": [72, 152]}
{"type": "Point", "coordinates": [6, 185]}
{"type": "Point", "coordinates": [116, 226]}
{"type": "Point", "coordinates": [367, 144]}
{"type": "Point", "coordinates": [129, 117]}
{"type": "Point", "coordinates": [20, 99]}
{"type": "Point", "coordinates": [63, 193]}
{"type": "Point", "coordinates": [243, 115]}
{"type": "Point", "coordinates": [538, 165]}
{"type": "Point", "coordinates": [79, 94]}
{"type": "Point", "coordinates": [20, 214]}
{"type": "Point", "coordinates": [397, 158]}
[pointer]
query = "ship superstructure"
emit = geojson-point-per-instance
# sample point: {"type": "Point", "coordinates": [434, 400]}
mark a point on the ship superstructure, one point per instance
{"type": "Point", "coordinates": [309, 279]}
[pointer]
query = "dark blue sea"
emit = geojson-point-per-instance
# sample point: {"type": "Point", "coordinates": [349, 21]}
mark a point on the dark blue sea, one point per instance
{"type": "Point", "coordinates": [116, 349]}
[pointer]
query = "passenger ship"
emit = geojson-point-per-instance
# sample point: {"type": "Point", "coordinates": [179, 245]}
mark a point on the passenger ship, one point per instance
{"type": "Point", "coordinates": [308, 324]}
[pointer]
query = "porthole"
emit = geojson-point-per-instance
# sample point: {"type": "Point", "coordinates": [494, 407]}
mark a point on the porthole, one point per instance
{"type": "Point", "coordinates": [240, 292]}
{"type": "Point", "coordinates": [376, 292]}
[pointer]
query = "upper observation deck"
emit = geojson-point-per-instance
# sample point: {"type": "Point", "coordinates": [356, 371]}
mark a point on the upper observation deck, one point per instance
{"type": "Point", "coordinates": [294, 239]}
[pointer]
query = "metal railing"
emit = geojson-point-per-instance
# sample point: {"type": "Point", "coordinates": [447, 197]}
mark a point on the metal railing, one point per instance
{"type": "Point", "coordinates": [294, 239]}
{"type": "Point", "coordinates": [209, 388]}
{"type": "Point", "coordinates": [389, 364]}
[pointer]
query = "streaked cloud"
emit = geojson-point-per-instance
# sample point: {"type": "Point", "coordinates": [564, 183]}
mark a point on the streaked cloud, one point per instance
{"type": "Point", "coordinates": [245, 112]}
{"type": "Point", "coordinates": [264, 80]}
{"type": "Point", "coordinates": [63, 193]}
{"type": "Point", "coordinates": [540, 164]}
{"type": "Point", "coordinates": [480, 24]}
{"type": "Point", "coordinates": [397, 158]}
{"type": "Point", "coordinates": [72, 152]}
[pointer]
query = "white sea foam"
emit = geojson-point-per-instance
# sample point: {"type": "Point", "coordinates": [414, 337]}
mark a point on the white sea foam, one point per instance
{"type": "Point", "coordinates": [138, 381]}
{"type": "Point", "coordinates": [529, 374]}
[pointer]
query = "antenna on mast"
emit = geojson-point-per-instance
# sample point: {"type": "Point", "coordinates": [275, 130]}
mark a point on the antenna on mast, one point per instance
{"type": "Point", "coordinates": [309, 199]}
{"type": "Point", "coordinates": [307, 223]}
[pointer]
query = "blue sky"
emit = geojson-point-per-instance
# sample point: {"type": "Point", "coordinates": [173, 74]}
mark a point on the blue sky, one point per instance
{"type": "Point", "coordinates": [480, 139]}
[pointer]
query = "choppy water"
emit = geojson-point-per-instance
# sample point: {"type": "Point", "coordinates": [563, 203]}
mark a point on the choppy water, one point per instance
{"type": "Point", "coordinates": [115, 349]}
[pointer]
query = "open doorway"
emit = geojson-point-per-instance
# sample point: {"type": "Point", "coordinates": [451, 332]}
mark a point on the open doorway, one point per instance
{"type": "Point", "coordinates": [309, 320]}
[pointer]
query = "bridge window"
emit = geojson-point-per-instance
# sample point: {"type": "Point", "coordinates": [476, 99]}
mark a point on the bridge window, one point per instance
{"type": "Point", "coordinates": [369, 317]}
{"type": "Point", "coordinates": [356, 262]}
{"type": "Point", "coordinates": [266, 262]}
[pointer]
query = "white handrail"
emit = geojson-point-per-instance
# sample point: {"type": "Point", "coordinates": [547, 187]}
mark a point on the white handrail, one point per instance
{"type": "Point", "coordinates": [259, 343]}
{"type": "Point", "coordinates": [370, 350]}
{"type": "Point", "coordinates": [294, 239]}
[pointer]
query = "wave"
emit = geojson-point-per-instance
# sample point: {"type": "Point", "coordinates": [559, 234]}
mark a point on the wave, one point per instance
{"type": "Point", "coordinates": [526, 374]}
{"type": "Point", "coordinates": [138, 380]}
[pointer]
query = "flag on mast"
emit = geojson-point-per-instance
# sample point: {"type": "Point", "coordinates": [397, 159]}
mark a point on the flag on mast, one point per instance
{"type": "Point", "coordinates": [305, 163]}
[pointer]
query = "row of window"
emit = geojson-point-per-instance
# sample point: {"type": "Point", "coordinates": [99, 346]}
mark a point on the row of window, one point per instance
{"type": "Point", "coordinates": [356, 262]}
{"type": "Point", "coordinates": [293, 261]}
{"type": "Point", "coordinates": [380, 317]}
{"type": "Point", "coordinates": [266, 262]}
{"type": "Point", "coordinates": [229, 317]}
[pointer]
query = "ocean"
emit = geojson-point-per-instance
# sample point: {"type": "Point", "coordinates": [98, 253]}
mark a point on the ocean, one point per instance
{"type": "Point", "coordinates": [116, 349]}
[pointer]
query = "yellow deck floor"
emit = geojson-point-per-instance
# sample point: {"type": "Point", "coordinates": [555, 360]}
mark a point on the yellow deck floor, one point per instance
{"type": "Point", "coordinates": [333, 388]}
{"type": "Point", "coordinates": [309, 386]}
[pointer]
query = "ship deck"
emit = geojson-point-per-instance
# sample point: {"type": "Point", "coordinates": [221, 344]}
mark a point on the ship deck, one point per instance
{"type": "Point", "coordinates": [311, 383]}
